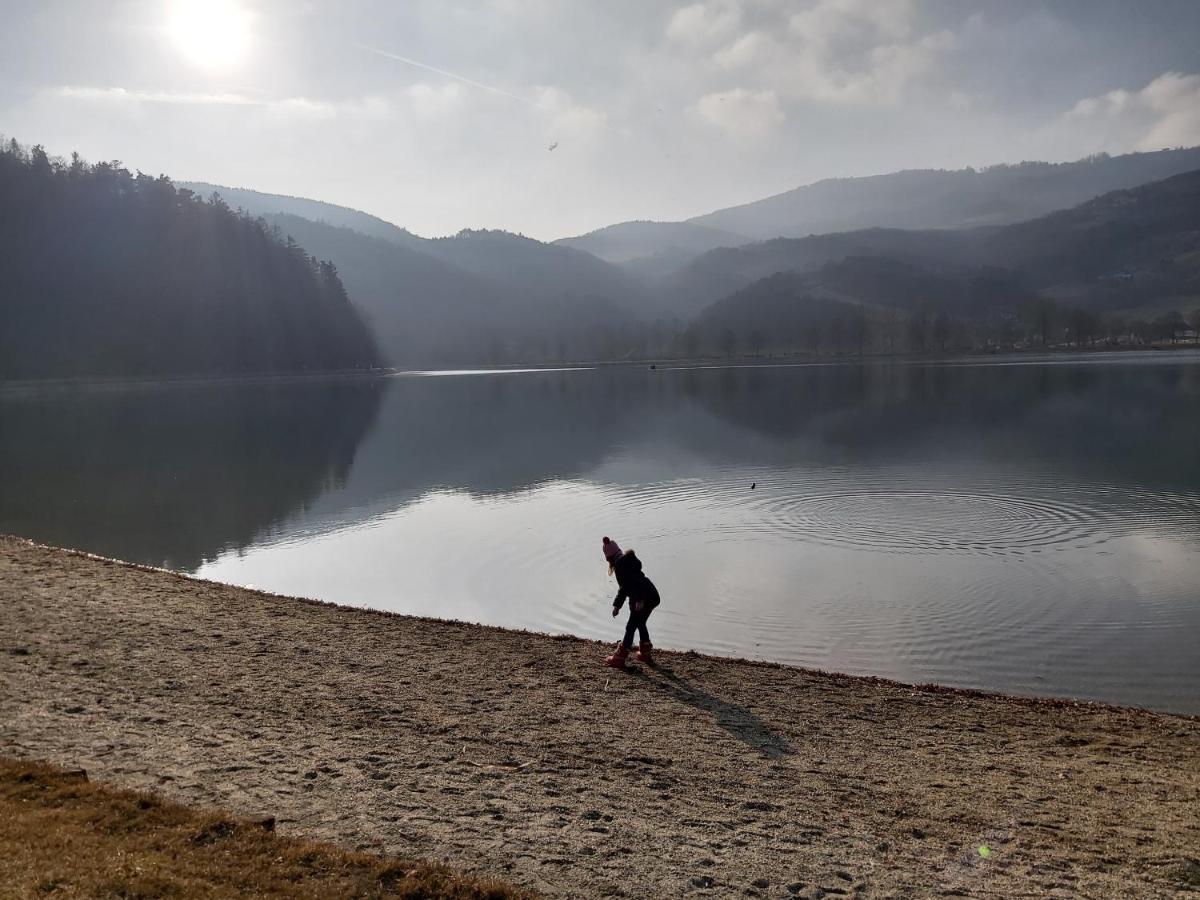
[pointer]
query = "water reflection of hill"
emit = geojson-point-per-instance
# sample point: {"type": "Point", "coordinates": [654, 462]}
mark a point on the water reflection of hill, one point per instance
{"type": "Point", "coordinates": [172, 475]}
{"type": "Point", "coordinates": [1124, 422]}
{"type": "Point", "coordinates": [489, 435]}
{"type": "Point", "coordinates": [500, 435]}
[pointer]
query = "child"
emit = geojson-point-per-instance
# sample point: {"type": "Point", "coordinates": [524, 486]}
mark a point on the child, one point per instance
{"type": "Point", "coordinates": [643, 598]}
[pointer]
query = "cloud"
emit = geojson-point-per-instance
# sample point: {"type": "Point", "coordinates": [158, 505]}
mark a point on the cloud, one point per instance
{"type": "Point", "coordinates": [704, 23]}
{"type": "Point", "coordinates": [122, 95]}
{"type": "Point", "coordinates": [830, 21]}
{"type": "Point", "coordinates": [568, 119]}
{"type": "Point", "coordinates": [741, 113]}
{"type": "Point", "coordinates": [838, 52]}
{"type": "Point", "coordinates": [445, 73]}
{"type": "Point", "coordinates": [303, 108]}
{"type": "Point", "coordinates": [1165, 113]}
{"type": "Point", "coordinates": [285, 108]}
{"type": "Point", "coordinates": [748, 50]}
{"type": "Point", "coordinates": [435, 100]}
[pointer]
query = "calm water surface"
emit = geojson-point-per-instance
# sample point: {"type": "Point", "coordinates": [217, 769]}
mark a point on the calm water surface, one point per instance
{"type": "Point", "coordinates": [1019, 525]}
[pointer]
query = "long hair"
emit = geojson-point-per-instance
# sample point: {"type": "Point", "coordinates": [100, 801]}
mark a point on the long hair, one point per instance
{"type": "Point", "coordinates": [628, 552]}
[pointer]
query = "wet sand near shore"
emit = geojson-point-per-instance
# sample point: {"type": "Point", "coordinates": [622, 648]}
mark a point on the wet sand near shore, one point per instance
{"type": "Point", "coordinates": [519, 756]}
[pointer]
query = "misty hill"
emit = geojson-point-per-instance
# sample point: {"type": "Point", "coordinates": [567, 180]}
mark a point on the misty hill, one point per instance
{"type": "Point", "coordinates": [532, 271]}
{"type": "Point", "coordinates": [965, 291]}
{"type": "Point", "coordinates": [779, 312]}
{"type": "Point", "coordinates": [1127, 248]}
{"type": "Point", "coordinates": [421, 309]}
{"type": "Point", "coordinates": [718, 273]}
{"type": "Point", "coordinates": [930, 198]}
{"type": "Point", "coordinates": [1130, 247]}
{"type": "Point", "coordinates": [865, 305]}
{"type": "Point", "coordinates": [106, 273]}
{"type": "Point", "coordinates": [511, 300]}
{"type": "Point", "coordinates": [529, 268]}
{"type": "Point", "coordinates": [257, 203]}
{"type": "Point", "coordinates": [630, 241]}
{"type": "Point", "coordinates": [478, 297]}
{"type": "Point", "coordinates": [839, 304]}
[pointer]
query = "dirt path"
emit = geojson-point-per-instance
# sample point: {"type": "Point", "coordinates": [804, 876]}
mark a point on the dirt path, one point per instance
{"type": "Point", "coordinates": [517, 755]}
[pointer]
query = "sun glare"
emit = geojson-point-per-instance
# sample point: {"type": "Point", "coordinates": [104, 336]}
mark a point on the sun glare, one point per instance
{"type": "Point", "coordinates": [212, 34]}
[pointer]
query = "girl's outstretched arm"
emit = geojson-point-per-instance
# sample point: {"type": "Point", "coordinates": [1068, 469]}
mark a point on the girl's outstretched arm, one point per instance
{"type": "Point", "coordinates": [620, 598]}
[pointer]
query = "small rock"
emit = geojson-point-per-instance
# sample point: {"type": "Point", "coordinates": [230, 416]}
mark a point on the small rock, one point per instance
{"type": "Point", "coordinates": [703, 881]}
{"type": "Point", "coordinates": [761, 883]}
{"type": "Point", "coordinates": [796, 887]}
{"type": "Point", "coordinates": [918, 834]}
{"type": "Point", "coordinates": [592, 815]}
{"type": "Point", "coordinates": [757, 805]}
{"type": "Point", "coordinates": [882, 847]}
{"type": "Point", "coordinates": [19, 651]}
{"type": "Point", "coordinates": [845, 876]}
{"type": "Point", "coordinates": [73, 710]}
{"type": "Point", "coordinates": [311, 774]}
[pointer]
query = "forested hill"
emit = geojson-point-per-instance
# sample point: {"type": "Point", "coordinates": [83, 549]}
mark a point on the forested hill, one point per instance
{"type": "Point", "coordinates": [107, 273]}
{"type": "Point", "coordinates": [996, 195]}
{"type": "Point", "coordinates": [256, 203]}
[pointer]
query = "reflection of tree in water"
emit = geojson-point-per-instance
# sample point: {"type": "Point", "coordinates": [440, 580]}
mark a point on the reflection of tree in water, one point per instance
{"type": "Point", "coordinates": [172, 475]}
{"type": "Point", "coordinates": [493, 435]}
{"type": "Point", "coordinates": [497, 434]}
{"type": "Point", "coordinates": [1128, 422]}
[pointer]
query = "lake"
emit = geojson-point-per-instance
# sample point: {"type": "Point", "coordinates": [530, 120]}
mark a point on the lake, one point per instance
{"type": "Point", "coordinates": [1016, 524]}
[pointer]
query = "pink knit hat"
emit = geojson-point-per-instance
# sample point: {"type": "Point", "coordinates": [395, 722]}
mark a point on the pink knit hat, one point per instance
{"type": "Point", "coordinates": [611, 550]}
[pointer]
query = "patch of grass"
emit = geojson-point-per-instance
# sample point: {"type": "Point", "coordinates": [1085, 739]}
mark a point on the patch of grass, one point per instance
{"type": "Point", "coordinates": [63, 837]}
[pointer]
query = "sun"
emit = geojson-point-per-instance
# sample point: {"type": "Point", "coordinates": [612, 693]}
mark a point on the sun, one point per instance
{"type": "Point", "coordinates": [211, 34]}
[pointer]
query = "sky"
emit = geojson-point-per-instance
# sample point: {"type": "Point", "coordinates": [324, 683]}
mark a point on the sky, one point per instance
{"type": "Point", "coordinates": [555, 117]}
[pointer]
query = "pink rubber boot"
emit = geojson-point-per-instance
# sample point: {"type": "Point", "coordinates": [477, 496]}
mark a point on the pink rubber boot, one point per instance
{"type": "Point", "coordinates": [617, 658]}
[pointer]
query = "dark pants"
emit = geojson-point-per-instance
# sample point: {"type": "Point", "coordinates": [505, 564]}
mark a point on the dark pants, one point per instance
{"type": "Point", "coordinates": [639, 612]}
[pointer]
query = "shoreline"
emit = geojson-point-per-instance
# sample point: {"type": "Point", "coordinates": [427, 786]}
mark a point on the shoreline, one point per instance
{"type": "Point", "coordinates": [603, 647]}
{"type": "Point", "coordinates": [665, 363]}
{"type": "Point", "coordinates": [517, 755]}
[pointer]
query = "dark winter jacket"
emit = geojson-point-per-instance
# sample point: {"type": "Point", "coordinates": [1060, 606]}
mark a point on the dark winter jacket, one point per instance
{"type": "Point", "coordinates": [634, 585]}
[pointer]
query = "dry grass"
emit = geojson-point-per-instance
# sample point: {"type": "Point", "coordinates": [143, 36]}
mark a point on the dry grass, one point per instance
{"type": "Point", "coordinates": [61, 836]}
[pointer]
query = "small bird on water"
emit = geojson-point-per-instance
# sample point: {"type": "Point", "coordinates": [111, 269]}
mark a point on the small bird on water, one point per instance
{"type": "Point", "coordinates": [753, 484]}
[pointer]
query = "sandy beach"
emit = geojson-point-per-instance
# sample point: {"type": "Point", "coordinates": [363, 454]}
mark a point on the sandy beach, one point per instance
{"type": "Point", "coordinates": [517, 755]}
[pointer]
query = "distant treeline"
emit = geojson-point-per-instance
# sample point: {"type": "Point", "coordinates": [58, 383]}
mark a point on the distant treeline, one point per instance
{"type": "Point", "coordinates": [107, 273]}
{"type": "Point", "coordinates": [782, 314]}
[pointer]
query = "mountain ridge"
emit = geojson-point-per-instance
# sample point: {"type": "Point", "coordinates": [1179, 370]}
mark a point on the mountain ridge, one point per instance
{"type": "Point", "coordinates": [939, 198]}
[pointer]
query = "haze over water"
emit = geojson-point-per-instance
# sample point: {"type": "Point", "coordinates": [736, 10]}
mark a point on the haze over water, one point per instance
{"type": "Point", "coordinates": [1030, 526]}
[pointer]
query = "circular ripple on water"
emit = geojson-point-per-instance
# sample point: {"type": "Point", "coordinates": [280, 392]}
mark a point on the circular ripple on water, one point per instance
{"type": "Point", "coordinates": [931, 521]}
{"type": "Point", "coordinates": [895, 512]}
